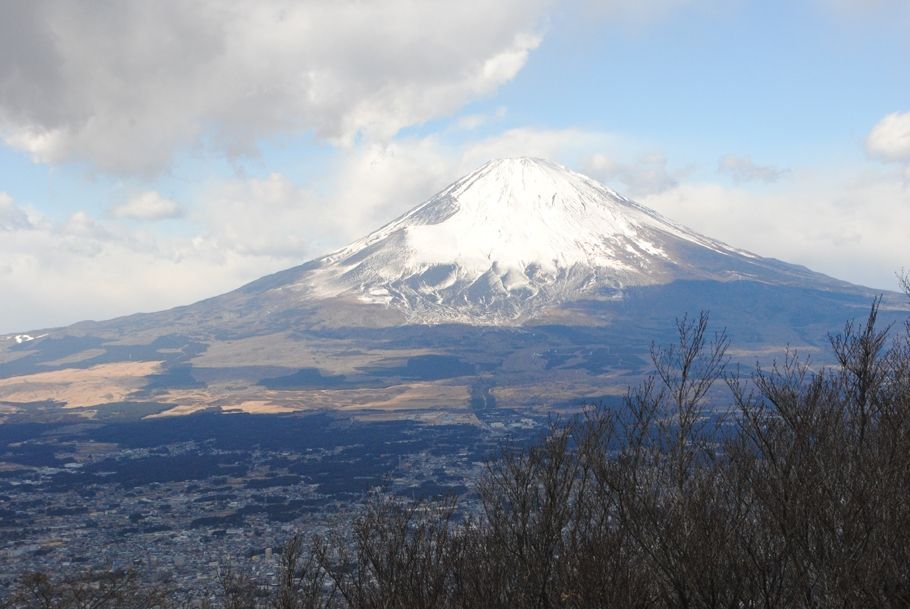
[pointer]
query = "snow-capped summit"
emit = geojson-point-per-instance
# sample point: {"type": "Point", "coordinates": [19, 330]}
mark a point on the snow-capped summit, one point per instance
{"type": "Point", "coordinates": [515, 236]}
{"type": "Point", "coordinates": [518, 213]}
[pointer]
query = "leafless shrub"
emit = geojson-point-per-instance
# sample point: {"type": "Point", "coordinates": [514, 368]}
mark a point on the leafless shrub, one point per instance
{"type": "Point", "coordinates": [795, 496]}
{"type": "Point", "coordinates": [109, 590]}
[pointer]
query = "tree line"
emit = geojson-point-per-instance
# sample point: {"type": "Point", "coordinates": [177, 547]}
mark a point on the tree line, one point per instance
{"type": "Point", "coordinates": [796, 494]}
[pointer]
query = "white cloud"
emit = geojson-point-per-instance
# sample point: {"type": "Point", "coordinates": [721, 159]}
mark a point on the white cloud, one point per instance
{"type": "Point", "coordinates": [124, 85]}
{"type": "Point", "coordinates": [742, 169]}
{"type": "Point", "coordinates": [568, 146]}
{"type": "Point", "coordinates": [647, 175]}
{"type": "Point", "coordinates": [469, 122]}
{"type": "Point", "coordinates": [85, 268]}
{"type": "Point", "coordinates": [148, 205]}
{"type": "Point", "coordinates": [269, 216]}
{"type": "Point", "coordinates": [852, 227]}
{"type": "Point", "coordinates": [12, 217]}
{"type": "Point", "coordinates": [889, 140]}
{"type": "Point", "coordinates": [377, 183]}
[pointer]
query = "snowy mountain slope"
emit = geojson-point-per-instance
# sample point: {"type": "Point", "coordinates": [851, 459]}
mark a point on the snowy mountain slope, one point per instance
{"type": "Point", "coordinates": [517, 236]}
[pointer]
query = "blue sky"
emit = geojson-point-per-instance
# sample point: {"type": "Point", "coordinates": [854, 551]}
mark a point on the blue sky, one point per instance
{"type": "Point", "coordinates": [158, 153]}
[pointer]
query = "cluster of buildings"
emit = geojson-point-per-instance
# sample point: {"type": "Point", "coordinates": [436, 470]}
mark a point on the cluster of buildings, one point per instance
{"type": "Point", "coordinates": [185, 533]}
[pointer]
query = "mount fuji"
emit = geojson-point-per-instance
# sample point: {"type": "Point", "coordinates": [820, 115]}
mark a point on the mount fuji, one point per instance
{"type": "Point", "coordinates": [509, 243]}
{"type": "Point", "coordinates": [517, 236]}
{"type": "Point", "coordinates": [523, 283]}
